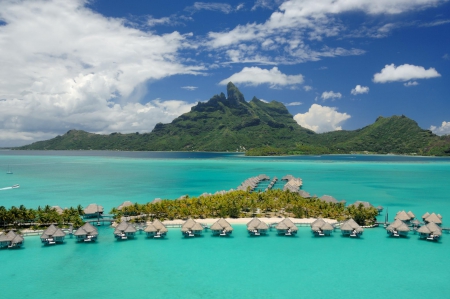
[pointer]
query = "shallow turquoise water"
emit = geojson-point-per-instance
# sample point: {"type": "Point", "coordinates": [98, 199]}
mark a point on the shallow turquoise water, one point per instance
{"type": "Point", "coordinates": [241, 267]}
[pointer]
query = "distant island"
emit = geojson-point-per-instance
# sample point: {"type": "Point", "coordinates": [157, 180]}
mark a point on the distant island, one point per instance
{"type": "Point", "coordinates": [230, 123]}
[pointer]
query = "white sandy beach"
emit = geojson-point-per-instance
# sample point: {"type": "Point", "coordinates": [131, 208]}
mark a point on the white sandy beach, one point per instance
{"type": "Point", "coordinates": [210, 221]}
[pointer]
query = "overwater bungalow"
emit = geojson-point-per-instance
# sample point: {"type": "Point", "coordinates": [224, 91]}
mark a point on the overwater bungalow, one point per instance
{"type": "Point", "coordinates": [86, 233]}
{"type": "Point", "coordinates": [403, 216]}
{"type": "Point", "coordinates": [286, 227]}
{"type": "Point", "coordinates": [351, 229]}
{"type": "Point", "coordinates": [411, 214]}
{"type": "Point", "coordinates": [191, 228]}
{"type": "Point", "coordinates": [124, 231]}
{"type": "Point", "coordinates": [380, 209]}
{"type": "Point", "coordinates": [430, 232]}
{"type": "Point", "coordinates": [93, 211]}
{"type": "Point", "coordinates": [156, 229]}
{"type": "Point", "coordinates": [424, 216]}
{"type": "Point", "coordinates": [11, 240]}
{"type": "Point", "coordinates": [53, 235]}
{"type": "Point", "coordinates": [221, 228]}
{"type": "Point", "coordinates": [321, 228]}
{"type": "Point", "coordinates": [433, 218]}
{"type": "Point", "coordinates": [256, 227]}
{"type": "Point", "coordinates": [397, 228]}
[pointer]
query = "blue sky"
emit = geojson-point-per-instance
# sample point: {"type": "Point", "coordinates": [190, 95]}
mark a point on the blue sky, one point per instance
{"type": "Point", "coordinates": [122, 66]}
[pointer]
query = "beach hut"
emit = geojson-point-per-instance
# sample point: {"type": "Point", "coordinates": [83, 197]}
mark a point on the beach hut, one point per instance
{"type": "Point", "coordinates": [191, 228]}
{"type": "Point", "coordinates": [93, 210]}
{"type": "Point", "coordinates": [124, 231]}
{"type": "Point", "coordinates": [321, 228]}
{"type": "Point", "coordinates": [156, 229]}
{"type": "Point", "coordinates": [430, 232]}
{"type": "Point", "coordinates": [286, 227]}
{"type": "Point", "coordinates": [351, 229]}
{"type": "Point", "coordinates": [397, 229]}
{"type": "Point", "coordinates": [221, 228]}
{"type": "Point", "coordinates": [256, 227]}
{"type": "Point", "coordinates": [11, 240]}
{"type": "Point", "coordinates": [86, 233]}
{"type": "Point", "coordinates": [304, 194]}
{"type": "Point", "coordinates": [433, 218]}
{"type": "Point", "coordinates": [53, 235]}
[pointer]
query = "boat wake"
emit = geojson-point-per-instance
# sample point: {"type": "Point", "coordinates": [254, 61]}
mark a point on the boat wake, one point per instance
{"type": "Point", "coordinates": [8, 188]}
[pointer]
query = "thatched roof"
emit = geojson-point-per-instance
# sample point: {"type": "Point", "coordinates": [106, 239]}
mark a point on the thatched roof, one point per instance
{"type": "Point", "coordinates": [318, 222]}
{"type": "Point", "coordinates": [403, 216]}
{"type": "Point", "coordinates": [93, 208]}
{"type": "Point", "coordinates": [411, 214]}
{"type": "Point", "coordinates": [58, 209]}
{"type": "Point", "coordinates": [86, 229]}
{"type": "Point", "coordinates": [188, 224]}
{"type": "Point", "coordinates": [53, 231]}
{"type": "Point", "coordinates": [221, 224]}
{"type": "Point", "coordinates": [439, 215]}
{"type": "Point", "coordinates": [365, 204]}
{"type": "Point", "coordinates": [329, 199]}
{"type": "Point", "coordinates": [262, 225]}
{"type": "Point", "coordinates": [124, 204]}
{"type": "Point", "coordinates": [253, 223]}
{"type": "Point", "coordinates": [425, 215]}
{"type": "Point", "coordinates": [158, 224]}
{"type": "Point", "coordinates": [415, 222]}
{"type": "Point", "coordinates": [126, 227]}
{"type": "Point", "coordinates": [434, 228]}
{"type": "Point", "coordinates": [327, 226]}
{"type": "Point", "coordinates": [424, 230]}
{"type": "Point", "coordinates": [17, 239]}
{"type": "Point", "coordinates": [8, 237]}
{"type": "Point", "coordinates": [150, 228]}
{"type": "Point", "coordinates": [281, 225]}
{"type": "Point", "coordinates": [304, 194]}
{"type": "Point", "coordinates": [156, 200]}
{"type": "Point", "coordinates": [351, 225]}
{"type": "Point", "coordinates": [403, 228]}
{"type": "Point", "coordinates": [433, 218]}
{"type": "Point", "coordinates": [197, 227]}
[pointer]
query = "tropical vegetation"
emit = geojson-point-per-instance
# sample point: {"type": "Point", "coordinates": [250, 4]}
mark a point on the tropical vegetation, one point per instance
{"type": "Point", "coordinates": [241, 204]}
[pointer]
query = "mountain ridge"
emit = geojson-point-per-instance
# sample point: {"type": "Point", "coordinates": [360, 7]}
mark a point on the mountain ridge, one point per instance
{"type": "Point", "coordinates": [230, 123]}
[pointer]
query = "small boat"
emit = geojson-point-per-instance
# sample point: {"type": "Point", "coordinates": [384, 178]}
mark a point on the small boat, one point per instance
{"type": "Point", "coordinates": [15, 186]}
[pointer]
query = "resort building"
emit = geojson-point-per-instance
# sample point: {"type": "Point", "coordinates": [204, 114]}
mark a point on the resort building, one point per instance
{"type": "Point", "coordinates": [424, 216]}
{"type": "Point", "coordinates": [86, 233]}
{"type": "Point", "coordinates": [331, 199]}
{"type": "Point", "coordinates": [351, 229]}
{"type": "Point", "coordinates": [124, 231]}
{"type": "Point", "coordinates": [93, 211]}
{"type": "Point", "coordinates": [286, 227]}
{"type": "Point", "coordinates": [124, 204]}
{"type": "Point", "coordinates": [256, 227]}
{"type": "Point", "coordinates": [221, 228]}
{"type": "Point", "coordinates": [321, 228]}
{"type": "Point", "coordinates": [191, 228]}
{"type": "Point", "coordinates": [430, 232]}
{"type": "Point", "coordinates": [53, 235]}
{"type": "Point", "coordinates": [155, 229]}
{"type": "Point", "coordinates": [397, 228]}
{"type": "Point", "coordinates": [433, 218]}
{"type": "Point", "coordinates": [58, 209]}
{"type": "Point", "coordinates": [11, 240]}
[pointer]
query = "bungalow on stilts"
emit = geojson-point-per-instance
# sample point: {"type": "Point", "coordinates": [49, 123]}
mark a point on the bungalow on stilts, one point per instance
{"type": "Point", "coordinates": [53, 235]}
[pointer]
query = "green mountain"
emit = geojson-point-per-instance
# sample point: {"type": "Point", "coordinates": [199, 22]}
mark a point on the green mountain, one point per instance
{"type": "Point", "coordinates": [229, 123]}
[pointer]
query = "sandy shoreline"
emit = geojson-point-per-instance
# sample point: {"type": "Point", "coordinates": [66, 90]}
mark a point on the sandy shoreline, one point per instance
{"type": "Point", "coordinates": [210, 221]}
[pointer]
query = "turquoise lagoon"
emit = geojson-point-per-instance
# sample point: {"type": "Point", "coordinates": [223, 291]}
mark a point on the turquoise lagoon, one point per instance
{"type": "Point", "coordinates": [240, 266]}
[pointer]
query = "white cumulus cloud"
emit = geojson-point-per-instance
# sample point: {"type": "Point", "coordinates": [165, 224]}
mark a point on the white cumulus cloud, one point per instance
{"type": "Point", "coordinates": [404, 72]}
{"type": "Point", "coordinates": [444, 129]}
{"type": "Point", "coordinates": [294, 104]}
{"type": "Point", "coordinates": [191, 88]}
{"type": "Point", "coordinates": [411, 83]}
{"type": "Point", "coordinates": [359, 90]}
{"type": "Point", "coordinates": [64, 66]}
{"type": "Point", "coordinates": [321, 119]}
{"type": "Point", "coordinates": [326, 95]}
{"type": "Point", "coordinates": [257, 76]}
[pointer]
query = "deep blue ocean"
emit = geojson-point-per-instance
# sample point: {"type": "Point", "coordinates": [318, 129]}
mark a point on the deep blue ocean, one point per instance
{"type": "Point", "coordinates": [374, 266]}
